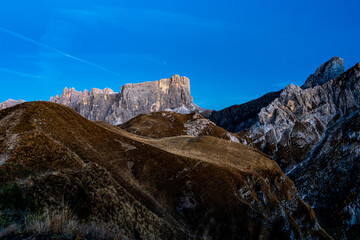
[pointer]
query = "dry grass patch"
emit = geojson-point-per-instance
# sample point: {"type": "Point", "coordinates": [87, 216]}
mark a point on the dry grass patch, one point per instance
{"type": "Point", "coordinates": [60, 224]}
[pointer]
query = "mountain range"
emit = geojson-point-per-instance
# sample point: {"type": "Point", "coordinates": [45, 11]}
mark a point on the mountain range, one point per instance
{"type": "Point", "coordinates": [245, 172]}
{"type": "Point", "coordinates": [115, 108]}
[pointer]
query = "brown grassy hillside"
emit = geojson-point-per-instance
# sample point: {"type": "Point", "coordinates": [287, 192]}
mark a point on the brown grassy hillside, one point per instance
{"type": "Point", "coordinates": [169, 188]}
{"type": "Point", "coordinates": [170, 124]}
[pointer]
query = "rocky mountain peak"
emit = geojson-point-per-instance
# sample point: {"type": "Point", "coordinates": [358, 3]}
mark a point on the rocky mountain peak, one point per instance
{"type": "Point", "coordinates": [327, 71]}
{"type": "Point", "coordinates": [85, 92]}
{"type": "Point", "coordinates": [300, 116]}
{"type": "Point", "coordinates": [290, 89]}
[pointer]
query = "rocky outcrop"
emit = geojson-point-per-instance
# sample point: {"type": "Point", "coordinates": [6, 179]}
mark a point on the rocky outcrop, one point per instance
{"type": "Point", "coordinates": [10, 103]}
{"type": "Point", "coordinates": [329, 180]}
{"type": "Point", "coordinates": [312, 133]}
{"type": "Point", "coordinates": [171, 94]}
{"type": "Point", "coordinates": [238, 118]}
{"type": "Point", "coordinates": [329, 70]}
{"type": "Point", "coordinates": [289, 127]}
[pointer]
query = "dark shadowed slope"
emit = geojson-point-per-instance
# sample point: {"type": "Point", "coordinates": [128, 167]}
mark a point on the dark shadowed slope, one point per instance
{"type": "Point", "coordinates": [329, 180]}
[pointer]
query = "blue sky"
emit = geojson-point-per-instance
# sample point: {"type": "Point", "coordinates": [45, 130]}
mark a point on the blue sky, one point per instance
{"type": "Point", "coordinates": [232, 51]}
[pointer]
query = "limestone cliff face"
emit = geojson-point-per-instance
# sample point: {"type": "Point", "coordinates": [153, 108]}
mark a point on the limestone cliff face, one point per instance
{"type": "Point", "coordinates": [289, 127]}
{"type": "Point", "coordinates": [94, 105]}
{"type": "Point", "coordinates": [312, 133]}
{"type": "Point", "coordinates": [134, 99]}
{"type": "Point", "coordinates": [238, 118]}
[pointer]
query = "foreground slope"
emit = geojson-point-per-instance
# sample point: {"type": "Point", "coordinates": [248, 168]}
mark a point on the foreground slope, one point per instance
{"type": "Point", "coordinates": [170, 188]}
{"type": "Point", "coordinates": [57, 157]}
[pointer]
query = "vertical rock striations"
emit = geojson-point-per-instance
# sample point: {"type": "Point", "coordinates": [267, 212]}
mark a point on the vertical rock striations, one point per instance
{"type": "Point", "coordinates": [134, 99]}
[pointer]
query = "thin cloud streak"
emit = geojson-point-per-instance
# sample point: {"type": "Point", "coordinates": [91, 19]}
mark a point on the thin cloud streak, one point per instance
{"type": "Point", "coordinates": [147, 15]}
{"type": "Point", "coordinates": [21, 74]}
{"type": "Point", "coordinates": [57, 51]}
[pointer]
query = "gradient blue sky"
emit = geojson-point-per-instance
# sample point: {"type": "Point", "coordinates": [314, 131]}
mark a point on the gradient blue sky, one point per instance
{"type": "Point", "coordinates": [232, 51]}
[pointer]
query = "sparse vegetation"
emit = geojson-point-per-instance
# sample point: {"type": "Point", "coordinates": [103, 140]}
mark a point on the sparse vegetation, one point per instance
{"type": "Point", "coordinates": [59, 224]}
{"type": "Point", "coordinates": [21, 217]}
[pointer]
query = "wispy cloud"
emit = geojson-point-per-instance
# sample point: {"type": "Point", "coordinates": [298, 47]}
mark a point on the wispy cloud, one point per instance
{"type": "Point", "coordinates": [57, 51]}
{"type": "Point", "coordinates": [21, 74]}
{"type": "Point", "coordinates": [146, 15]}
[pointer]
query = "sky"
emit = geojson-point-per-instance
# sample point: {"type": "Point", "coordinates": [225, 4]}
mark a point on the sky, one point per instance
{"type": "Point", "coordinates": [232, 51]}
